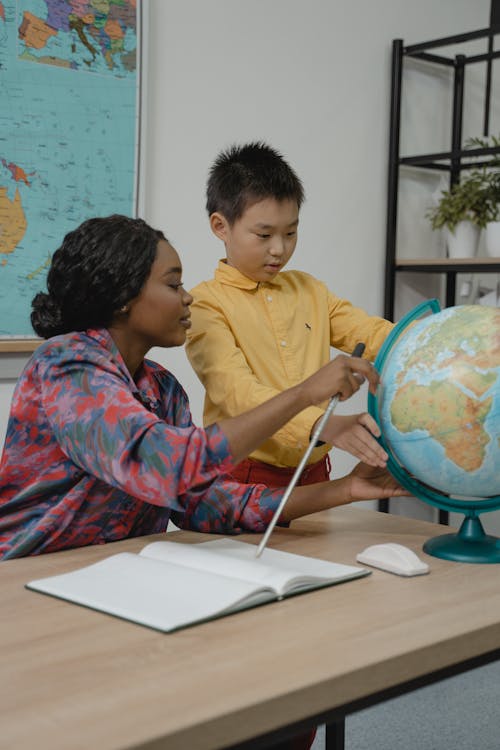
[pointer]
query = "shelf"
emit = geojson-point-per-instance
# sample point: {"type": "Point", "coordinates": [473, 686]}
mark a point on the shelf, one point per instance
{"type": "Point", "coordinates": [451, 162]}
{"type": "Point", "coordinates": [415, 49]}
{"type": "Point", "coordinates": [429, 160]}
{"type": "Point", "coordinates": [447, 265]}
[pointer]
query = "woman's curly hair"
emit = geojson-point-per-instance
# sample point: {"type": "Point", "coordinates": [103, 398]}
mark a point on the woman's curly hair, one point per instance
{"type": "Point", "coordinates": [100, 266]}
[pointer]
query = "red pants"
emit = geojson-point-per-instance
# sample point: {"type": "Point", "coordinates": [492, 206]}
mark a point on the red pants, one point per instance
{"type": "Point", "coordinates": [257, 472]}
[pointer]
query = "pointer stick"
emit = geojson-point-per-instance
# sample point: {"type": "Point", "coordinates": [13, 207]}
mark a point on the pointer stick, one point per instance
{"type": "Point", "coordinates": [358, 352]}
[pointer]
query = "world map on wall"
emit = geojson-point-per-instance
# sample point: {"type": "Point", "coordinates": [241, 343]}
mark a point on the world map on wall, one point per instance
{"type": "Point", "coordinates": [68, 133]}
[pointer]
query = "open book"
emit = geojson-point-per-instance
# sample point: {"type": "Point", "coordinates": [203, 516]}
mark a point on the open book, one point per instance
{"type": "Point", "coordinates": [169, 585]}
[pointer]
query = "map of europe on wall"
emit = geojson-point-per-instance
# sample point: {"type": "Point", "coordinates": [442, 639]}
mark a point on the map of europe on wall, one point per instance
{"type": "Point", "coordinates": [68, 133]}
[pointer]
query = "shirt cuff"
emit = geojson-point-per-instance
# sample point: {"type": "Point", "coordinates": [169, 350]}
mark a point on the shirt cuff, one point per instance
{"type": "Point", "coordinates": [260, 508]}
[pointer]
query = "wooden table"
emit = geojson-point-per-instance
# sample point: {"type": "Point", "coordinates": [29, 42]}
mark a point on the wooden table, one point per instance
{"type": "Point", "coordinates": [73, 678]}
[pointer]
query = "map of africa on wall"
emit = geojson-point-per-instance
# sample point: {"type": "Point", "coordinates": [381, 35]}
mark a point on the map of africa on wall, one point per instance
{"type": "Point", "coordinates": [68, 134]}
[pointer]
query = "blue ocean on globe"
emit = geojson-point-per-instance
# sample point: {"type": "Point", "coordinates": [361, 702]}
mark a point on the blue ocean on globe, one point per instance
{"type": "Point", "coordinates": [438, 404]}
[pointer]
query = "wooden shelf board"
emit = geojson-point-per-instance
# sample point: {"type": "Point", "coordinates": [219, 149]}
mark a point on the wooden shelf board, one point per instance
{"type": "Point", "coordinates": [449, 265]}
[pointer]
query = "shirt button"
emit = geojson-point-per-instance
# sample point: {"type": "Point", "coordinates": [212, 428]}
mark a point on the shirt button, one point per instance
{"type": "Point", "coordinates": [269, 298]}
{"type": "Point", "coordinates": [283, 343]}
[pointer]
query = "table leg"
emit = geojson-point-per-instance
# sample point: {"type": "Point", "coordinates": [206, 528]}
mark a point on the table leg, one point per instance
{"type": "Point", "coordinates": [383, 505]}
{"type": "Point", "coordinates": [335, 735]}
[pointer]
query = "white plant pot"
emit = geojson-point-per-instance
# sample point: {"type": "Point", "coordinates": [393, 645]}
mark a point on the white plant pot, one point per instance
{"type": "Point", "coordinates": [463, 241]}
{"type": "Point", "coordinates": [492, 239]}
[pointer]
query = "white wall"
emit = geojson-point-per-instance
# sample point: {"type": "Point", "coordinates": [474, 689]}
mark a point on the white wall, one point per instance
{"type": "Point", "coordinates": [312, 79]}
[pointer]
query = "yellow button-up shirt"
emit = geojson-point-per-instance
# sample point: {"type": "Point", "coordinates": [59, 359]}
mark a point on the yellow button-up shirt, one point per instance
{"type": "Point", "coordinates": [251, 340]}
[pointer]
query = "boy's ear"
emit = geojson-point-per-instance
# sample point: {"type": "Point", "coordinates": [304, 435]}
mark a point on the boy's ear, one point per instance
{"type": "Point", "coordinates": [219, 225]}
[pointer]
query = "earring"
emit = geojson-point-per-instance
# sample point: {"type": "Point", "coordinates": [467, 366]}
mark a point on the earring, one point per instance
{"type": "Point", "coordinates": [124, 309]}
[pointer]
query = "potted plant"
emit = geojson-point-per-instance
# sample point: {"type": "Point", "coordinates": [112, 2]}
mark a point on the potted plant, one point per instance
{"type": "Point", "coordinates": [493, 225]}
{"type": "Point", "coordinates": [462, 212]}
{"type": "Point", "coordinates": [491, 178]}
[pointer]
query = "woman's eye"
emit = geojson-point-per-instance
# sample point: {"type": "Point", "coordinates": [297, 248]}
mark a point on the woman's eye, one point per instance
{"type": "Point", "coordinates": [176, 286]}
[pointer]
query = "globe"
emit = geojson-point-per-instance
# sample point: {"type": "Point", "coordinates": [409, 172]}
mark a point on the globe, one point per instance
{"type": "Point", "coordinates": [438, 409]}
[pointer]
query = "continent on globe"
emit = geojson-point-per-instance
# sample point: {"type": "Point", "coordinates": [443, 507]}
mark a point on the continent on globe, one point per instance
{"type": "Point", "coordinates": [438, 409]}
{"type": "Point", "coordinates": [472, 346]}
{"type": "Point", "coordinates": [12, 221]}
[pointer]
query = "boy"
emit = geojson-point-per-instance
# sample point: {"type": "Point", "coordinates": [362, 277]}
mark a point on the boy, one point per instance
{"type": "Point", "coordinates": [257, 329]}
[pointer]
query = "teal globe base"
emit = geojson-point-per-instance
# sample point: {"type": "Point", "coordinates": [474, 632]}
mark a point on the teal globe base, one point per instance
{"type": "Point", "coordinates": [470, 545]}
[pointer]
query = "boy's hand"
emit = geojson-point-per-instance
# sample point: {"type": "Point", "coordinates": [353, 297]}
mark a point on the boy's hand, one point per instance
{"type": "Point", "coordinates": [353, 433]}
{"type": "Point", "coordinates": [369, 483]}
{"type": "Point", "coordinates": [343, 376]}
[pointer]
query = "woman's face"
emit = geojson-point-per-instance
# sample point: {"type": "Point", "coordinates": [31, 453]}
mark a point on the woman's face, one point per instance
{"type": "Point", "coordinates": [159, 315]}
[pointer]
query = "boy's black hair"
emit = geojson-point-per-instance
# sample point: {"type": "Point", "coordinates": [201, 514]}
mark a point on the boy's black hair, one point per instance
{"type": "Point", "coordinates": [100, 266]}
{"type": "Point", "coordinates": [243, 175]}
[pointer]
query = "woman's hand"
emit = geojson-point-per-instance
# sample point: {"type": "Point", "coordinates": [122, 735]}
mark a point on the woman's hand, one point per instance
{"type": "Point", "coordinates": [356, 433]}
{"type": "Point", "coordinates": [363, 483]}
{"type": "Point", "coordinates": [343, 376]}
{"type": "Point", "coordinates": [372, 483]}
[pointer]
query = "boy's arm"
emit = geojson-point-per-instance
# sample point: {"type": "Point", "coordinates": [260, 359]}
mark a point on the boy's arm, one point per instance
{"type": "Point", "coordinates": [350, 324]}
{"type": "Point", "coordinates": [356, 433]}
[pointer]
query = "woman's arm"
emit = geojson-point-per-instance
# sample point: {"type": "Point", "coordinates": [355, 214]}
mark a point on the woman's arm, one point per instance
{"type": "Point", "coordinates": [230, 507]}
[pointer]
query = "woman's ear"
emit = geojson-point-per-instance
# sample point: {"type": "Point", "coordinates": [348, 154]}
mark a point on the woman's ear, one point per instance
{"type": "Point", "coordinates": [219, 225]}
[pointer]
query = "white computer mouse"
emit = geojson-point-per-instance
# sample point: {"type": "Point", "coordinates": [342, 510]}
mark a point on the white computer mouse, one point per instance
{"type": "Point", "coordinates": [394, 558]}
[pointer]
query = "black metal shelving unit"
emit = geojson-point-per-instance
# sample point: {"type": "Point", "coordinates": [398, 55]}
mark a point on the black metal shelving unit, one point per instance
{"type": "Point", "coordinates": [453, 161]}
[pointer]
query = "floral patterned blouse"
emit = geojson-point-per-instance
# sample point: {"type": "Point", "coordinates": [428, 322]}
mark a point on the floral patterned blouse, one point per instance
{"type": "Point", "coordinates": [93, 456]}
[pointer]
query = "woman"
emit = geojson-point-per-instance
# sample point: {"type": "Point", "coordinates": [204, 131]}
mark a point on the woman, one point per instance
{"type": "Point", "coordinates": [100, 443]}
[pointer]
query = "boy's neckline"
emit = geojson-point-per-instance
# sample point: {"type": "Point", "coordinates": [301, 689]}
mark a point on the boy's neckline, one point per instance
{"type": "Point", "coordinates": [232, 276]}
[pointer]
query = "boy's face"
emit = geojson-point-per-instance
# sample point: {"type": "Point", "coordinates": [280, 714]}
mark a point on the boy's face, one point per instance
{"type": "Point", "coordinates": [261, 242]}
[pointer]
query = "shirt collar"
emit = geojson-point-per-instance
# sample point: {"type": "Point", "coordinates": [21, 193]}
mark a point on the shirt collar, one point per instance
{"type": "Point", "coordinates": [230, 276]}
{"type": "Point", "coordinates": [141, 387]}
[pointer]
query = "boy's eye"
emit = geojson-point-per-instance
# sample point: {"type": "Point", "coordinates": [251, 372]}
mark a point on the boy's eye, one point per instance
{"type": "Point", "coordinates": [263, 236]}
{"type": "Point", "coordinates": [291, 234]}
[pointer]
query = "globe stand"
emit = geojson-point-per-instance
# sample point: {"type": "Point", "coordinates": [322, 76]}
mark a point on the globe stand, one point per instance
{"type": "Point", "coordinates": [470, 545]}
